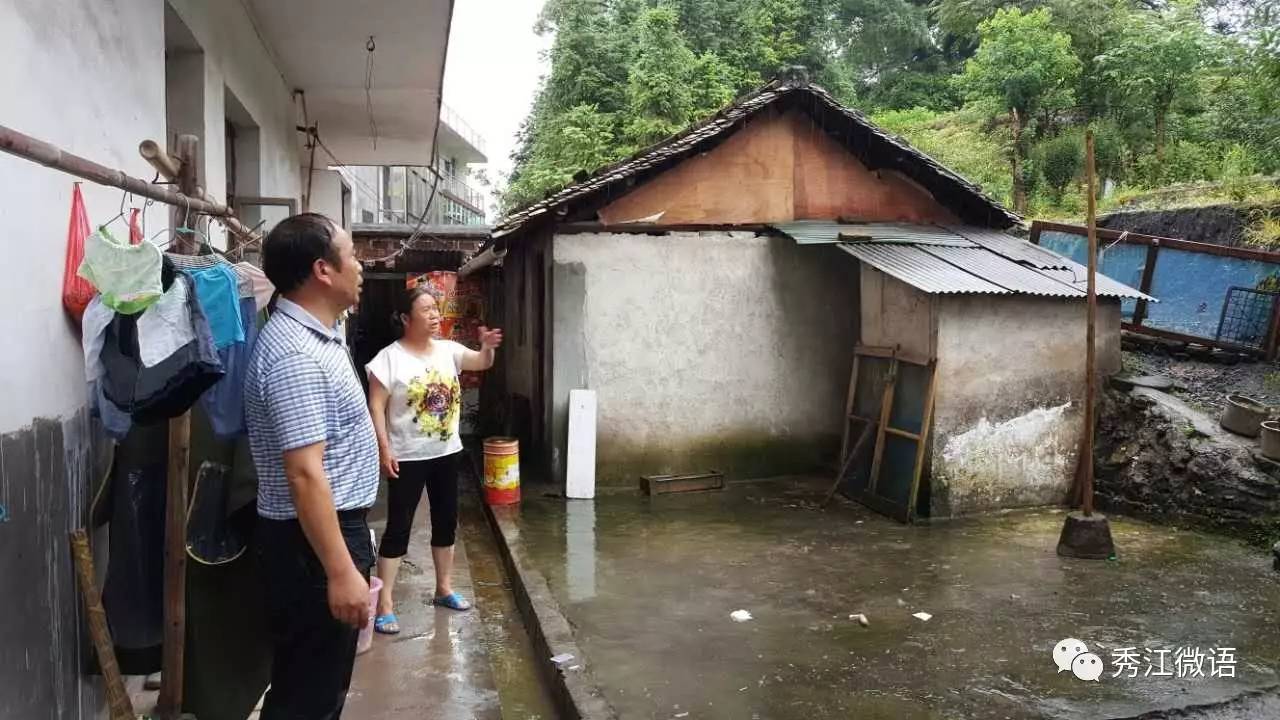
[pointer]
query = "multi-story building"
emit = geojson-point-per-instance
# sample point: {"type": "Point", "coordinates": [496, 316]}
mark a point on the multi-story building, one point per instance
{"type": "Point", "coordinates": [401, 194]}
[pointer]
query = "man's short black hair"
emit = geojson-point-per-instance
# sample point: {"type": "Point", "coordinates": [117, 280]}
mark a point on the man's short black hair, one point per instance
{"type": "Point", "coordinates": [293, 246]}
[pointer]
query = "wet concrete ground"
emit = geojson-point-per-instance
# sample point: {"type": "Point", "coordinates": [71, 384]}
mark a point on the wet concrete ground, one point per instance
{"type": "Point", "coordinates": [437, 668]}
{"type": "Point", "coordinates": [446, 665]}
{"type": "Point", "coordinates": [649, 585]}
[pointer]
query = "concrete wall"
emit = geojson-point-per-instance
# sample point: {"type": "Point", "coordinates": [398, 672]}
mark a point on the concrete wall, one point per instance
{"type": "Point", "coordinates": [1008, 413]}
{"type": "Point", "coordinates": [894, 313]}
{"type": "Point", "coordinates": [90, 78]}
{"type": "Point", "coordinates": [235, 59]}
{"type": "Point", "coordinates": [711, 350]}
{"type": "Point", "coordinates": [326, 194]}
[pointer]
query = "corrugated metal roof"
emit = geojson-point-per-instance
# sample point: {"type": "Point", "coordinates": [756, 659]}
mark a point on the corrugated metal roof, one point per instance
{"type": "Point", "coordinates": [1078, 277]}
{"type": "Point", "coordinates": [812, 232]}
{"type": "Point", "coordinates": [914, 266]}
{"type": "Point", "coordinates": [1004, 272]}
{"type": "Point", "coordinates": [1013, 248]}
{"type": "Point", "coordinates": [958, 259]}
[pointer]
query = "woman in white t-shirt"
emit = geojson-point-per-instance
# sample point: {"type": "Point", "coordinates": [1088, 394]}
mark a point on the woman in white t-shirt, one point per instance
{"type": "Point", "coordinates": [415, 400]}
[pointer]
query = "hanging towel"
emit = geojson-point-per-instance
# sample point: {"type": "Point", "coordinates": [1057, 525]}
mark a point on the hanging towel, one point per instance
{"type": "Point", "coordinates": [165, 326]}
{"type": "Point", "coordinates": [127, 276]}
{"type": "Point", "coordinates": [219, 295]}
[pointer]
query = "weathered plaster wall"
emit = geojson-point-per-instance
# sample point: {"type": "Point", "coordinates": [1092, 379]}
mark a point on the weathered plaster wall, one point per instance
{"type": "Point", "coordinates": [711, 350]}
{"type": "Point", "coordinates": [896, 314]}
{"type": "Point", "coordinates": [1007, 417]}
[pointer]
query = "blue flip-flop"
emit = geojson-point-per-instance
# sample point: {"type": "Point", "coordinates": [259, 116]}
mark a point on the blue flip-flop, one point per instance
{"type": "Point", "coordinates": [387, 624]}
{"type": "Point", "coordinates": [453, 601]}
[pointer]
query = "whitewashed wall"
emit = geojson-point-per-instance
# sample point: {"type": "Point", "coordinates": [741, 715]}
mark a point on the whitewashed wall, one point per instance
{"type": "Point", "coordinates": [89, 77]}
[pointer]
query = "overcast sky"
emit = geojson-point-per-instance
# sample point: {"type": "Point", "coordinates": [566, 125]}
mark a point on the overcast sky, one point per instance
{"type": "Point", "coordinates": [492, 71]}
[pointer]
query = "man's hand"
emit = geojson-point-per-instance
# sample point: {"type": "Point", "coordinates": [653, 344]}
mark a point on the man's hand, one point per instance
{"type": "Point", "coordinates": [390, 465]}
{"type": "Point", "coordinates": [490, 339]}
{"type": "Point", "coordinates": [349, 599]}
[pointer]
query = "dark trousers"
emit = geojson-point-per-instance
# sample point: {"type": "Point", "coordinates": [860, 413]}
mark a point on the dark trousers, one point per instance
{"type": "Point", "coordinates": [439, 476]}
{"type": "Point", "coordinates": [314, 653]}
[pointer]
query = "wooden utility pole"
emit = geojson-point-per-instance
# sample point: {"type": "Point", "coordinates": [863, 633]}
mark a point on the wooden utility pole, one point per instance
{"type": "Point", "coordinates": [169, 706]}
{"type": "Point", "coordinates": [1091, 359]}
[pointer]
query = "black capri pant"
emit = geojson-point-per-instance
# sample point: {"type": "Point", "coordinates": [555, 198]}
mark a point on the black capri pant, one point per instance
{"type": "Point", "coordinates": [440, 478]}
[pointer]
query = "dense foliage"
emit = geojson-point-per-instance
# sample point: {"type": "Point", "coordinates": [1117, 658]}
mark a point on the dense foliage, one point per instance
{"type": "Point", "coordinates": [1178, 91]}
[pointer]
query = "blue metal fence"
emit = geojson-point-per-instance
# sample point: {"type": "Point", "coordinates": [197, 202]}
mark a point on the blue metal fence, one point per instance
{"type": "Point", "coordinates": [1192, 281]}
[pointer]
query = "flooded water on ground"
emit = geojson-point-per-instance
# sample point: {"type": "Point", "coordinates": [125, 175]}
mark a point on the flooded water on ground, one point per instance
{"type": "Point", "coordinates": [649, 585]}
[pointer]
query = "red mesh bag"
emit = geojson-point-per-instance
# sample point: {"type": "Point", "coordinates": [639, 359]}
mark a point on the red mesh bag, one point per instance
{"type": "Point", "coordinates": [76, 291]}
{"type": "Point", "coordinates": [135, 230]}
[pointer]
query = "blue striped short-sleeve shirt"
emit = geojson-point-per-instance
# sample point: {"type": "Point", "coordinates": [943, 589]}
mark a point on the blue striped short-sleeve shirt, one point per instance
{"type": "Point", "coordinates": [300, 389]}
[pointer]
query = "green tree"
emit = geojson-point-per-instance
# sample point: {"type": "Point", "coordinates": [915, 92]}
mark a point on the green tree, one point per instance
{"type": "Point", "coordinates": [660, 99]}
{"type": "Point", "coordinates": [576, 141]}
{"type": "Point", "coordinates": [1151, 62]}
{"type": "Point", "coordinates": [1023, 65]}
{"type": "Point", "coordinates": [1060, 160]}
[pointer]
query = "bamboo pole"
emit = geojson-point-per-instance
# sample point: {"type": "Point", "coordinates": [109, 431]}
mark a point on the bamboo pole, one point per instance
{"type": "Point", "coordinates": [172, 666]}
{"type": "Point", "coordinates": [118, 703]}
{"type": "Point", "coordinates": [38, 151]}
{"type": "Point", "coordinates": [1091, 360]}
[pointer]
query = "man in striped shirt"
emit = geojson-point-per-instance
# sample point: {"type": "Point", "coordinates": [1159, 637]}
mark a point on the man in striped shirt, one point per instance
{"type": "Point", "coordinates": [317, 459]}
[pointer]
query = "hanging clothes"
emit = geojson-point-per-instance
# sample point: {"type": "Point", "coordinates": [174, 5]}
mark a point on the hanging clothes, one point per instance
{"type": "Point", "coordinates": [133, 504]}
{"type": "Point", "coordinates": [262, 287]}
{"type": "Point", "coordinates": [218, 290]}
{"type": "Point", "coordinates": [127, 276]}
{"type": "Point", "coordinates": [224, 402]}
{"type": "Point", "coordinates": [93, 335]}
{"type": "Point", "coordinates": [170, 387]}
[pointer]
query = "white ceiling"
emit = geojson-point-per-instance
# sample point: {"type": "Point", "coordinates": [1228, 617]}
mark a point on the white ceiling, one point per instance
{"type": "Point", "coordinates": [320, 47]}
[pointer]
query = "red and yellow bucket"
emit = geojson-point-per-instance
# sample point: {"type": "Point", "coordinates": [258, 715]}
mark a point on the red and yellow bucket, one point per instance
{"type": "Point", "coordinates": [501, 471]}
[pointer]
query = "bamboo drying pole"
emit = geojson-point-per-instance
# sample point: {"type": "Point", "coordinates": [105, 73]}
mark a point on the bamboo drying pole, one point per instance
{"type": "Point", "coordinates": [49, 155]}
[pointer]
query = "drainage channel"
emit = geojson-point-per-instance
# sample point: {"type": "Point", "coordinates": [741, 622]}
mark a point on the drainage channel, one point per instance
{"type": "Point", "coordinates": [521, 690]}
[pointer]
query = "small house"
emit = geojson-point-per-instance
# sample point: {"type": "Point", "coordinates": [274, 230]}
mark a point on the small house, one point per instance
{"type": "Point", "coordinates": [784, 287]}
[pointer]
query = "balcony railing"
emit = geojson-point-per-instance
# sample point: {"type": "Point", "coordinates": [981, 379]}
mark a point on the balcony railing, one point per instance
{"type": "Point", "coordinates": [454, 120]}
{"type": "Point", "coordinates": [460, 190]}
{"type": "Point", "coordinates": [399, 194]}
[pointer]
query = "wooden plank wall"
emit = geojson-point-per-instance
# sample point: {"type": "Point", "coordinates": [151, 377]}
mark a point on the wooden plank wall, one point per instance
{"type": "Point", "coordinates": [777, 168]}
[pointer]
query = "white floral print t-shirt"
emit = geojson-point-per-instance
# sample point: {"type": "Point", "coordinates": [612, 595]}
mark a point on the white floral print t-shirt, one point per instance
{"type": "Point", "coordinates": [426, 399]}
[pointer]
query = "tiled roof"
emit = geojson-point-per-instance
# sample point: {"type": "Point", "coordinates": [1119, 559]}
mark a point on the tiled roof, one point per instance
{"type": "Point", "coordinates": [874, 146]}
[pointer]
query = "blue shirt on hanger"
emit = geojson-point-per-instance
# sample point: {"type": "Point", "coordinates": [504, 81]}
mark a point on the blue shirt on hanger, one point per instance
{"type": "Point", "coordinates": [219, 296]}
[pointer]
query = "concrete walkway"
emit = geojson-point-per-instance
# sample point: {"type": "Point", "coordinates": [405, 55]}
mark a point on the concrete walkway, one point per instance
{"type": "Point", "coordinates": [437, 668]}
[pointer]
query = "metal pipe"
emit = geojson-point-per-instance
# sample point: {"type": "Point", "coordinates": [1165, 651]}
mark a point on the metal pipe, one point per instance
{"type": "Point", "coordinates": [49, 155]}
{"type": "Point", "coordinates": [490, 256]}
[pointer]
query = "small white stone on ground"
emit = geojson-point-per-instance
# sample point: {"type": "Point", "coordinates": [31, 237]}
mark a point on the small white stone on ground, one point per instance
{"type": "Point", "coordinates": [922, 615]}
{"type": "Point", "coordinates": [740, 615]}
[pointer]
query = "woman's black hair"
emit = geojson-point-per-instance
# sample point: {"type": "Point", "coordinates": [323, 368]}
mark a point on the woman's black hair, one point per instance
{"type": "Point", "coordinates": [409, 297]}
